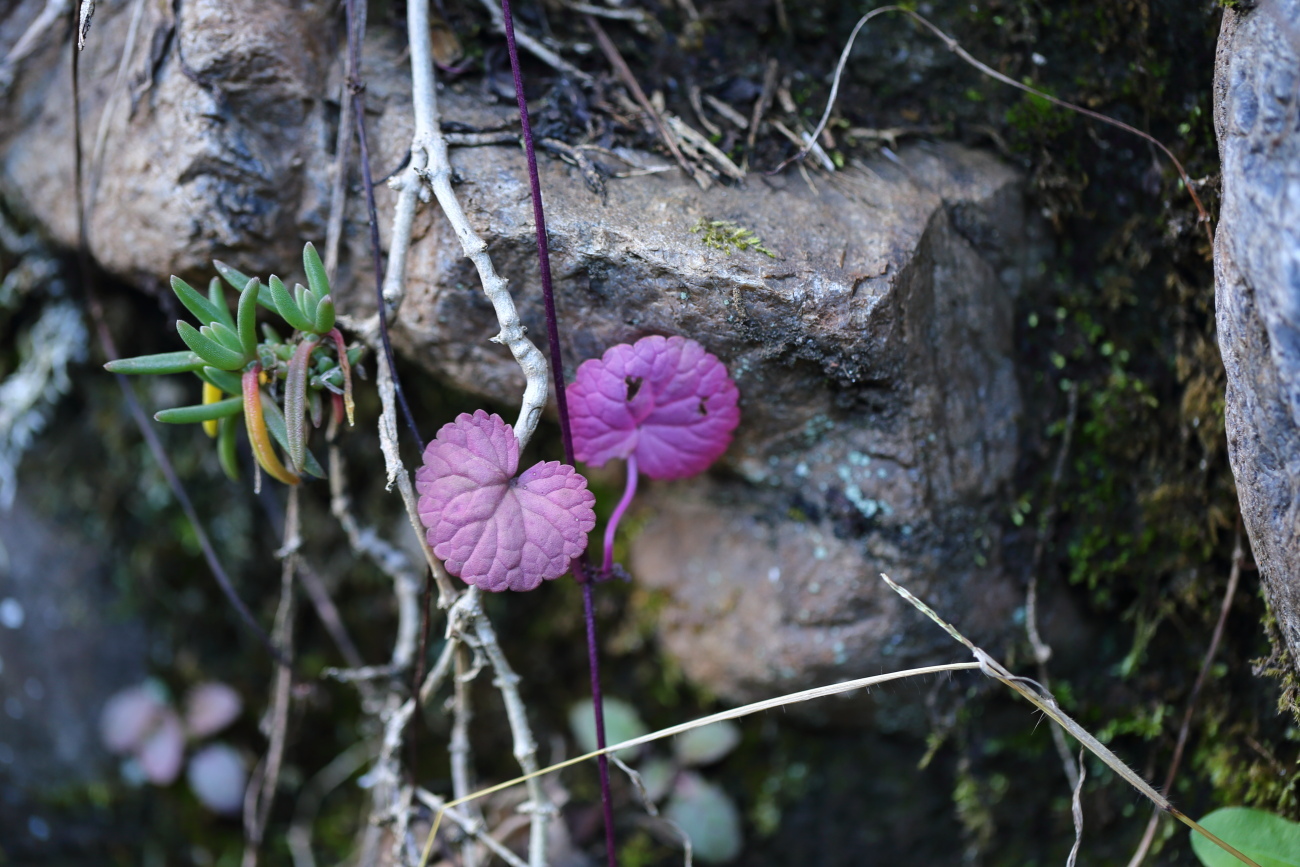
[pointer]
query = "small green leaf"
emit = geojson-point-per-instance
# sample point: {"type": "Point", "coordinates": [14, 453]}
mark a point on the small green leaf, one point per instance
{"type": "Point", "coordinates": [275, 426]}
{"type": "Point", "coordinates": [225, 336]}
{"type": "Point", "coordinates": [708, 817]}
{"type": "Point", "coordinates": [307, 303]}
{"type": "Point", "coordinates": [227, 382]}
{"type": "Point", "coordinates": [201, 411]}
{"type": "Point", "coordinates": [270, 334]}
{"type": "Point", "coordinates": [287, 307]}
{"type": "Point", "coordinates": [226, 446]}
{"type": "Point", "coordinates": [208, 349]}
{"type": "Point", "coordinates": [238, 281]}
{"type": "Point", "coordinates": [317, 279]}
{"type": "Point", "coordinates": [202, 308]}
{"type": "Point", "coordinates": [707, 744]}
{"type": "Point", "coordinates": [622, 723]}
{"type": "Point", "coordinates": [1268, 839]}
{"type": "Point", "coordinates": [248, 317]}
{"type": "Point", "coordinates": [164, 362]}
{"type": "Point", "coordinates": [315, 408]}
{"type": "Point", "coordinates": [324, 316]}
{"type": "Point", "coordinates": [217, 295]}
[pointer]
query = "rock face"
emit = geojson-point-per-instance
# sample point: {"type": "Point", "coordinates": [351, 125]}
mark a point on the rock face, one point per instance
{"type": "Point", "coordinates": [871, 348]}
{"type": "Point", "coordinates": [1257, 286]}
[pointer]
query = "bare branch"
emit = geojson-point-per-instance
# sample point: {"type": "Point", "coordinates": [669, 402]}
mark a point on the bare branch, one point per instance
{"type": "Point", "coordinates": [525, 746]}
{"type": "Point", "coordinates": [429, 161]}
{"type": "Point", "coordinates": [257, 805]}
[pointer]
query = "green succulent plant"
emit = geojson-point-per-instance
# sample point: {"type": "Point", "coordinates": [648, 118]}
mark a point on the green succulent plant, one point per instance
{"type": "Point", "coordinates": [243, 374]}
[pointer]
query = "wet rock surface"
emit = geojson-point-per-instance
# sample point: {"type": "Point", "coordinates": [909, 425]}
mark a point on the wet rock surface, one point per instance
{"type": "Point", "coordinates": [872, 349]}
{"type": "Point", "coordinates": [1257, 277]}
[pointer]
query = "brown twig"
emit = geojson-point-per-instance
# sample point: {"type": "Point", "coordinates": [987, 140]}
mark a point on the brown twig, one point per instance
{"type": "Point", "coordinates": [261, 794]}
{"type": "Point", "coordinates": [629, 80]}
{"type": "Point", "coordinates": [693, 94]}
{"type": "Point", "coordinates": [761, 105]}
{"type": "Point", "coordinates": [1233, 578]}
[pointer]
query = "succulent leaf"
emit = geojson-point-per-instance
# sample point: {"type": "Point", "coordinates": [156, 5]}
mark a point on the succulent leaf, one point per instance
{"type": "Point", "coordinates": [317, 279]}
{"type": "Point", "coordinates": [200, 412]}
{"type": "Point", "coordinates": [208, 349]}
{"type": "Point", "coordinates": [164, 362]}
{"type": "Point", "coordinates": [279, 432]}
{"type": "Point", "coordinates": [217, 297]}
{"type": "Point", "coordinates": [222, 379]}
{"type": "Point", "coordinates": [226, 447]}
{"type": "Point", "coordinates": [307, 303]}
{"type": "Point", "coordinates": [203, 309]}
{"type": "Point", "coordinates": [248, 317]}
{"type": "Point", "coordinates": [324, 316]}
{"type": "Point", "coordinates": [287, 307]}
{"type": "Point", "coordinates": [225, 336]}
{"type": "Point", "coordinates": [211, 394]}
{"type": "Point", "coordinates": [255, 422]}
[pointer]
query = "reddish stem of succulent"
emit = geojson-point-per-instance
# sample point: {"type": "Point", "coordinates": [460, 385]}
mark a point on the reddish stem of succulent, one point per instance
{"type": "Point", "coordinates": [257, 435]}
{"type": "Point", "coordinates": [612, 527]}
{"type": "Point", "coordinates": [562, 405]}
{"type": "Point", "coordinates": [346, 367]}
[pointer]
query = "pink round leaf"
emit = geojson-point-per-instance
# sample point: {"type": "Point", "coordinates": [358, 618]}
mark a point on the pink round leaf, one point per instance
{"type": "Point", "coordinates": [161, 752]}
{"type": "Point", "coordinates": [210, 707]}
{"type": "Point", "coordinates": [217, 777]}
{"type": "Point", "coordinates": [665, 399]}
{"type": "Point", "coordinates": [129, 716]}
{"type": "Point", "coordinates": [494, 530]}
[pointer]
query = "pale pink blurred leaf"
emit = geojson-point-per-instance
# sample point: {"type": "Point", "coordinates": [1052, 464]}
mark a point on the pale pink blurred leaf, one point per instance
{"type": "Point", "coordinates": [494, 530]}
{"type": "Point", "coordinates": [217, 777]}
{"type": "Point", "coordinates": [209, 708]}
{"type": "Point", "coordinates": [162, 750]}
{"type": "Point", "coordinates": [666, 399]}
{"type": "Point", "coordinates": [128, 717]}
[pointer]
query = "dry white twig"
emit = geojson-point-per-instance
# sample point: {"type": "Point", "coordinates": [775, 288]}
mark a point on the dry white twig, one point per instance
{"type": "Point", "coordinates": [1076, 811]}
{"type": "Point", "coordinates": [84, 15]}
{"type": "Point", "coordinates": [458, 748]}
{"type": "Point", "coordinates": [429, 162]}
{"type": "Point", "coordinates": [689, 136]}
{"type": "Point", "coordinates": [525, 746]}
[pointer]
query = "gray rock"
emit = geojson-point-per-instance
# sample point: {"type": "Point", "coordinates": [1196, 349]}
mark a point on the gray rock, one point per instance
{"type": "Point", "coordinates": [872, 351]}
{"type": "Point", "coordinates": [1257, 286]}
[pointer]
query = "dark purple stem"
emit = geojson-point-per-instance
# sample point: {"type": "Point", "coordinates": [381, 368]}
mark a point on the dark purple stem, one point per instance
{"type": "Point", "coordinates": [562, 404]}
{"type": "Point", "coordinates": [612, 527]}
